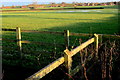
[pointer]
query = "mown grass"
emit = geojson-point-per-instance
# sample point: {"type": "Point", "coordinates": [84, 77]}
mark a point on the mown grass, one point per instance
{"type": "Point", "coordinates": [49, 20]}
{"type": "Point", "coordinates": [103, 22]}
{"type": "Point", "coordinates": [16, 9]}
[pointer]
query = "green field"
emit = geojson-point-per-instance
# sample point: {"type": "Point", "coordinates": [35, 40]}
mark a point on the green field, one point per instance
{"type": "Point", "coordinates": [101, 21]}
{"type": "Point", "coordinates": [15, 9]}
{"type": "Point", "coordinates": [104, 22]}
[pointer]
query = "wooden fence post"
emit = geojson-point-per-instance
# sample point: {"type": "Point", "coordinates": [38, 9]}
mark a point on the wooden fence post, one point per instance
{"type": "Point", "coordinates": [68, 62]}
{"type": "Point", "coordinates": [18, 36]}
{"type": "Point", "coordinates": [66, 35]}
{"type": "Point", "coordinates": [96, 44]}
{"type": "Point", "coordinates": [100, 38]}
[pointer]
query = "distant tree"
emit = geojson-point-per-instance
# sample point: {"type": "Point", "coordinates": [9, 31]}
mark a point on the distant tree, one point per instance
{"type": "Point", "coordinates": [52, 3]}
{"type": "Point", "coordinates": [63, 3]}
{"type": "Point", "coordinates": [93, 4]}
{"type": "Point", "coordinates": [96, 4]}
{"type": "Point", "coordinates": [12, 6]}
{"type": "Point", "coordinates": [111, 3]}
{"type": "Point", "coordinates": [32, 8]}
{"type": "Point", "coordinates": [73, 2]}
{"type": "Point", "coordinates": [35, 3]}
{"type": "Point", "coordinates": [18, 7]}
{"type": "Point", "coordinates": [115, 3]}
{"type": "Point", "coordinates": [3, 6]}
{"type": "Point", "coordinates": [118, 3]}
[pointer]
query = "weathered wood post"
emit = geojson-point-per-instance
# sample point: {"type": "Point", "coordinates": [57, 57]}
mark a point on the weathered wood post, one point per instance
{"type": "Point", "coordinates": [18, 36]}
{"type": "Point", "coordinates": [66, 35]}
{"type": "Point", "coordinates": [68, 62]}
{"type": "Point", "coordinates": [100, 38]}
{"type": "Point", "coordinates": [96, 45]}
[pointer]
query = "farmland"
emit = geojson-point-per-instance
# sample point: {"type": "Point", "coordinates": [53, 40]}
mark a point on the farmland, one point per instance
{"type": "Point", "coordinates": [61, 20]}
{"type": "Point", "coordinates": [101, 21]}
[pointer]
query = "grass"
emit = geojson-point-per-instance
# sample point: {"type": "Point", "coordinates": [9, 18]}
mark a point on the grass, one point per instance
{"type": "Point", "coordinates": [63, 20]}
{"type": "Point", "coordinates": [103, 22]}
{"type": "Point", "coordinates": [16, 9]}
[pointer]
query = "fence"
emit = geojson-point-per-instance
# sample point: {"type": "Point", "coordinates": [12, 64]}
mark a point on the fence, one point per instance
{"type": "Point", "coordinates": [67, 58]}
{"type": "Point", "coordinates": [66, 34]}
{"type": "Point", "coordinates": [20, 41]}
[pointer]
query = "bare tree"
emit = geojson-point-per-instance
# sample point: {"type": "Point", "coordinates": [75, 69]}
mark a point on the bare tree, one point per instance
{"type": "Point", "coordinates": [63, 3]}
{"type": "Point", "coordinates": [52, 3]}
{"type": "Point", "coordinates": [35, 3]}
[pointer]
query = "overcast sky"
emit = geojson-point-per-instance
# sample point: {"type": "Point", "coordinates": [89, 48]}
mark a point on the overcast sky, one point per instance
{"type": "Point", "coordinates": [58, 0]}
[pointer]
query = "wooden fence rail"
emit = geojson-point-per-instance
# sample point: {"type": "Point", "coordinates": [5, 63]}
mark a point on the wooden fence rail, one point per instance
{"type": "Point", "coordinates": [4, 29]}
{"type": "Point", "coordinates": [47, 69]}
{"type": "Point", "coordinates": [43, 43]}
{"type": "Point", "coordinates": [69, 54]}
{"type": "Point", "coordinates": [77, 49]}
{"type": "Point", "coordinates": [47, 32]}
{"type": "Point", "coordinates": [62, 33]}
{"type": "Point", "coordinates": [20, 41]}
{"type": "Point", "coordinates": [67, 60]}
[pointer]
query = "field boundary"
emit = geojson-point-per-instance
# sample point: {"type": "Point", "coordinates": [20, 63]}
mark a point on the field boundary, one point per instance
{"type": "Point", "coordinates": [53, 9]}
{"type": "Point", "coordinates": [62, 33]}
{"type": "Point", "coordinates": [65, 33]}
{"type": "Point", "coordinates": [66, 60]}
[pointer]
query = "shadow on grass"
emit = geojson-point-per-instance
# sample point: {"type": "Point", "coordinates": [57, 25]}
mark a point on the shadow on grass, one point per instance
{"type": "Point", "coordinates": [108, 26]}
{"type": "Point", "coordinates": [7, 16]}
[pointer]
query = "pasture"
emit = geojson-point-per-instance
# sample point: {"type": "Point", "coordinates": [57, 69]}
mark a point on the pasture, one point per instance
{"type": "Point", "coordinates": [101, 21]}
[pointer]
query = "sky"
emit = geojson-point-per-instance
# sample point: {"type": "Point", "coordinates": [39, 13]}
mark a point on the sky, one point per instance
{"type": "Point", "coordinates": [58, 0]}
{"type": "Point", "coordinates": [26, 2]}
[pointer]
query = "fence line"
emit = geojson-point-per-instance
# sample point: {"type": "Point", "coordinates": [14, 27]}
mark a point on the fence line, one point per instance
{"type": "Point", "coordinates": [46, 69]}
{"type": "Point", "coordinates": [48, 32]}
{"type": "Point", "coordinates": [9, 40]}
{"type": "Point", "coordinates": [66, 34]}
{"type": "Point", "coordinates": [69, 54]}
{"type": "Point", "coordinates": [82, 46]}
{"type": "Point", "coordinates": [4, 29]}
{"type": "Point", "coordinates": [18, 36]}
{"type": "Point", "coordinates": [42, 43]}
{"type": "Point", "coordinates": [67, 60]}
{"type": "Point", "coordinates": [62, 33]}
{"type": "Point", "coordinates": [19, 40]}
{"type": "Point", "coordinates": [32, 42]}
